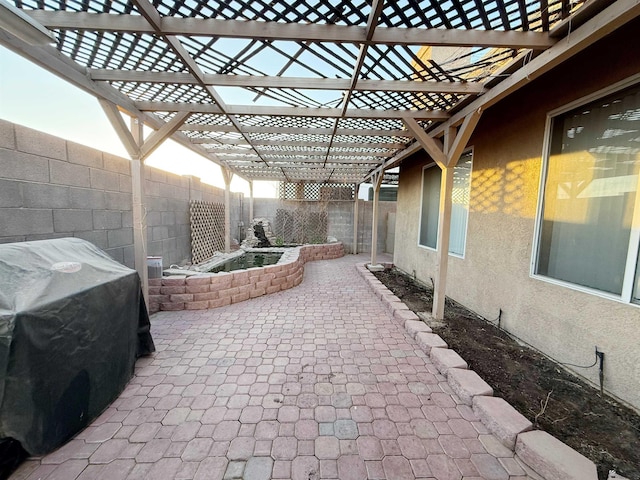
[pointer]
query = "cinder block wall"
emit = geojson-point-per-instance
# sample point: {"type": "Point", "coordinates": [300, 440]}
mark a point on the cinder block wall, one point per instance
{"type": "Point", "coordinates": [51, 188]}
{"type": "Point", "coordinates": [340, 220]}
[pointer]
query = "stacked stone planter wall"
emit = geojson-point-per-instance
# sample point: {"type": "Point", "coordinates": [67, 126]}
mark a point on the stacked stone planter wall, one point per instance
{"type": "Point", "coordinates": [539, 454]}
{"type": "Point", "coordinates": [212, 290]}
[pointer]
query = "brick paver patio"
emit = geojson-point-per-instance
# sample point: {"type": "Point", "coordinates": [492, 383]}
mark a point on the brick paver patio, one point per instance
{"type": "Point", "coordinates": [316, 382]}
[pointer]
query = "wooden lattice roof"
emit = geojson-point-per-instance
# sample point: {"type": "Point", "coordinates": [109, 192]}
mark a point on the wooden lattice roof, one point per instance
{"type": "Point", "coordinates": [315, 90]}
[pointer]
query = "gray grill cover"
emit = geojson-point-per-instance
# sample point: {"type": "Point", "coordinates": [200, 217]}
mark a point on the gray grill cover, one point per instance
{"type": "Point", "coordinates": [72, 323]}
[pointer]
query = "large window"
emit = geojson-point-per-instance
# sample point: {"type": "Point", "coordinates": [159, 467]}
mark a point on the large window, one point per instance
{"type": "Point", "coordinates": [589, 230]}
{"type": "Point", "coordinates": [429, 214]}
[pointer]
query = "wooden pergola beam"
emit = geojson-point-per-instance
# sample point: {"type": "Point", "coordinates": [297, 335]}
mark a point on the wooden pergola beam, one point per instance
{"type": "Point", "coordinates": [260, 110]}
{"type": "Point", "coordinates": [264, 81]}
{"type": "Point", "coordinates": [369, 132]}
{"type": "Point", "coordinates": [267, 154]}
{"type": "Point", "coordinates": [219, 142]}
{"type": "Point", "coordinates": [297, 32]}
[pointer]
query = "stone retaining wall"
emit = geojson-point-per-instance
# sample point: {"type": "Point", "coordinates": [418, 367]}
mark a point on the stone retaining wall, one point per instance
{"type": "Point", "coordinates": [539, 454]}
{"type": "Point", "coordinates": [212, 290]}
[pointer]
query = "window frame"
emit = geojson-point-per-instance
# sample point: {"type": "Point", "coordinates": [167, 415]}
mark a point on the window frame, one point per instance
{"type": "Point", "coordinates": [424, 169]}
{"type": "Point", "coordinates": [633, 256]}
{"type": "Point", "coordinates": [466, 227]}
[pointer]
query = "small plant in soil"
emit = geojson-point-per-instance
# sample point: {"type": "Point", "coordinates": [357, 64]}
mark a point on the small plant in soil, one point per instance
{"type": "Point", "coordinates": [553, 399]}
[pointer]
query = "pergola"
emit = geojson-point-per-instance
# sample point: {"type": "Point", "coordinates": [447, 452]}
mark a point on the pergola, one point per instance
{"type": "Point", "coordinates": [324, 91]}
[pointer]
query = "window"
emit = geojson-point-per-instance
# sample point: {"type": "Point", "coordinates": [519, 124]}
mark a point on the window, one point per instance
{"type": "Point", "coordinates": [590, 201]}
{"type": "Point", "coordinates": [430, 208]}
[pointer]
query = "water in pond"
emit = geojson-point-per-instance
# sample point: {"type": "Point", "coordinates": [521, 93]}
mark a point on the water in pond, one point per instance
{"type": "Point", "coordinates": [248, 260]}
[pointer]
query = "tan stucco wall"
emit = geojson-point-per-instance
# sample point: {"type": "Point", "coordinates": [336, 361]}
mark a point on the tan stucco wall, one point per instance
{"type": "Point", "coordinates": [563, 323]}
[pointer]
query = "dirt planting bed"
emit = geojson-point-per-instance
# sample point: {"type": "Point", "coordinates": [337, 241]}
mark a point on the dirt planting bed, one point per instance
{"type": "Point", "coordinates": [550, 397]}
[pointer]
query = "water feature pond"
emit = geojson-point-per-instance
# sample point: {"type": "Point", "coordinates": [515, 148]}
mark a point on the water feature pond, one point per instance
{"type": "Point", "coordinates": [248, 260]}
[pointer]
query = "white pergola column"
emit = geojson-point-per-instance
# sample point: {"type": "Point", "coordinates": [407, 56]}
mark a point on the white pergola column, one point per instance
{"type": "Point", "coordinates": [444, 231]}
{"type": "Point", "coordinates": [355, 220]}
{"type": "Point", "coordinates": [446, 155]}
{"type": "Point", "coordinates": [250, 202]}
{"type": "Point", "coordinates": [227, 175]}
{"type": "Point", "coordinates": [132, 137]}
{"type": "Point", "coordinates": [377, 181]}
{"type": "Point", "coordinates": [139, 210]}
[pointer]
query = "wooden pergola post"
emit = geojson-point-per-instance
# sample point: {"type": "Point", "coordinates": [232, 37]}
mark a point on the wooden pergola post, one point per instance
{"type": "Point", "coordinates": [355, 220]}
{"type": "Point", "coordinates": [446, 155]}
{"type": "Point", "coordinates": [377, 182]}
{"type": "Point", "coordinates": [132, 137]}
{"type": "Point", "coordinates": [250, 201]}
{"type": "Point", "coordinates": [444, 231]}
{"type": "Point", "coordinates": [138, 207]}
{"type": "Point", "coordinates": [227, 175]}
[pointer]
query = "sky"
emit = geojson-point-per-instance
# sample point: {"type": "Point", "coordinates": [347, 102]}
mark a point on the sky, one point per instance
{"type": "Point", "coordinates": [35, 98]}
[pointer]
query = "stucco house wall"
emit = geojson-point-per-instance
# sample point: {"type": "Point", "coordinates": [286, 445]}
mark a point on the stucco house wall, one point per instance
{"type": "Point", "coordinates": [564, 323]}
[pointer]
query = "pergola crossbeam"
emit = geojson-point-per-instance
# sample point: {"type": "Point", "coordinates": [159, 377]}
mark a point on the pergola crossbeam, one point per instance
{"type": "Point", "coordinates": [273, 154]}
{"type": "Point", "coordinates": [296, 32]}
{"type": "Point", "coordinates": [265, 81]}
{"type": "Point", "coordinates": [372, 132]}
{"type": "Point", "coordinates": [265, 111]}
{"type": "Point", "coordinates": [362, 146]}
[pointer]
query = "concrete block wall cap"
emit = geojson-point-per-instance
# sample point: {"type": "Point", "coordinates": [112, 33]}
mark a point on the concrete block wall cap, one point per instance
{"type": "Point", "coordinates": [413, 327]}
{"type": "Point", "coordinates": [400, 305]}
{"type": "Point", "coordinates": [504, 421]}
{"type": "Point", "coordinates": [405, 316]}
{"type": "Point", "coordinates": [174, 280]}
{"type": "Point", "coordinates": [375, 268]}
{"type": "Point", "coordinates": [552, 459]}
{"type": "Point", "coordinates": [427, 341]}
{"type": "Point", "coordinates": [467, 384]}
{"type": "Point", "coordinates": [445, 358]}
{"type": "Point", "coordinates": [199, 280]}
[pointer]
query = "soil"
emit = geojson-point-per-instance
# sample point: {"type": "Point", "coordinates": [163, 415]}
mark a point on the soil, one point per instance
{"type": "Point", "coordinates": [553, 399]}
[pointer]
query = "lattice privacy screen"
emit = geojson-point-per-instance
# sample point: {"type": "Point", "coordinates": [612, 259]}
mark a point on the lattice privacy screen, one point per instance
{"type": "Point", "coordinates": [207, 229]}
{"type": "Point", "coordinates": [316, 191]}
{"type": "Point", "coordinates": [306, 223]}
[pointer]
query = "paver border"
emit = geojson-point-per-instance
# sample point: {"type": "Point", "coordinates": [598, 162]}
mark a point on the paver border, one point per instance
{"type": "Point", "coordinates": [211, 290]}
{"type": "Point", "coordinates": [551, 457]}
